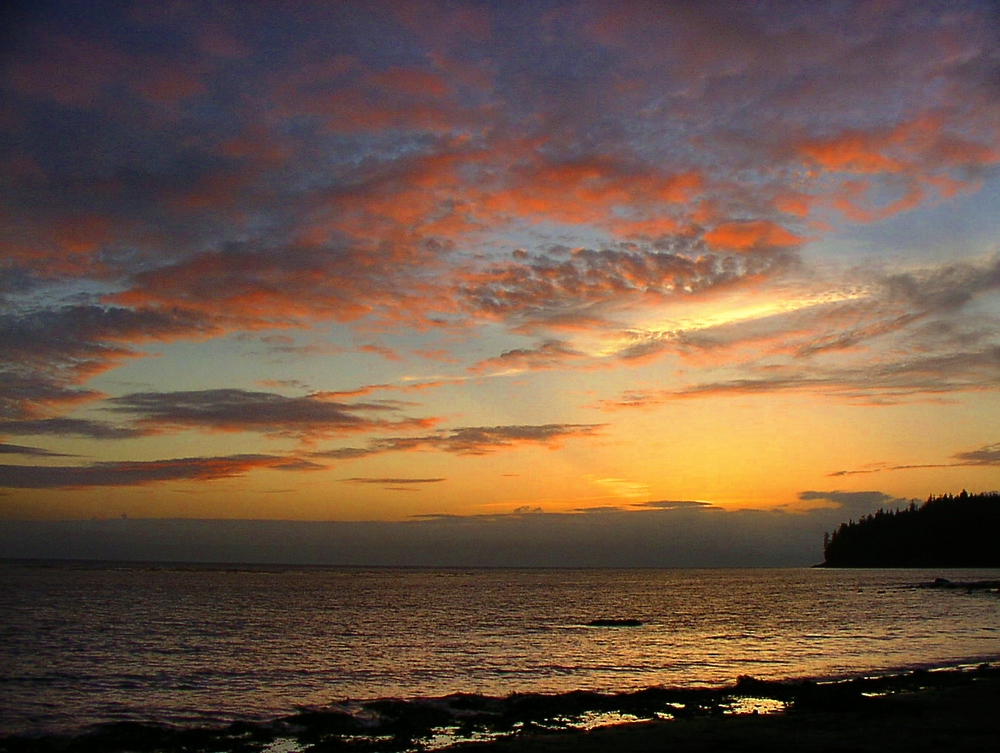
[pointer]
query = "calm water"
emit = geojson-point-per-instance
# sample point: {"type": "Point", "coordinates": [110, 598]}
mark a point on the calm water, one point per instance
{"type": "Point", "coordinates": [82, 645]}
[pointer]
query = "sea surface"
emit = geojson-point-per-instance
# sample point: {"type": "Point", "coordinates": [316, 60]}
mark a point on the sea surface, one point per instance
{"type": "Point", "coordinates": [95, 643]}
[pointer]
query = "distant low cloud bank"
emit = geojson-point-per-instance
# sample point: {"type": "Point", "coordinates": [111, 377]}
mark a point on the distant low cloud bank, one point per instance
{"type": "Point", "coordinates": [668, 534]}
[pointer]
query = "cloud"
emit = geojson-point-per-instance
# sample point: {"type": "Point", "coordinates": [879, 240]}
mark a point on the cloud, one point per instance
{"type": "Point", "coordinates": [393, 481]}
{"type": "Point", "coordinates": [368, 389]}
{"type": "Point", "coordinates": [678, 535]}
{"type": "Point", "coordinates": [917, 379]}
{"type": "Point", "coordinates": [916, 312]}
{"type": "Point", "coordinates": [141, 473]}
{"type": "Point", "coordinates": [909, 336]}
{"type": "Point", "coordinates": [386, 353]}
{"type": "Point", "coordinates": [854, 503]}
{"type": "Point", "coordinates": [368, 170]}
{"type": "Point", "coordinates": [678, 504]}
{"type": "Point", "coordinates": [16, 449]}
{"type": "Point", "coordinates": [750, 236]}
{"type": "Point", "coordinates": [653, 126]}
{"type": "Point", "coordinates": [920, 159]}
{"type": "Point", "coordinates": [396, 484]}
{"type": "Point", "coordinates": [308, 418]}
{"type": "Point", "coordinates": [78, 427]}
{"type": "Point", "coordinates": [984, 456]}
{"type": "Point", "coordinates": [549, 354]}
{"type": "Point", "coordinates": [944, 288]}
{"type": "Point", "coordinates": [288, 285]}
{"type": "Point", "coordinates": [46, 353]}
{"type": "Point", "coordinates": [589, 283]}
{"type": "Point", "coordinates": [471, 440]}
{"type": "Point", "coordinates": [24, 395]}
{"type": "Point", "coordinates": [609, 539]}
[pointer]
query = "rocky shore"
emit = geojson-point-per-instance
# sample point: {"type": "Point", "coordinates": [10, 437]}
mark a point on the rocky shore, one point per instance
{"type": "Point", "coordinates": [950, 710]}
{"type": "Point", "coordinates": [953, 709]}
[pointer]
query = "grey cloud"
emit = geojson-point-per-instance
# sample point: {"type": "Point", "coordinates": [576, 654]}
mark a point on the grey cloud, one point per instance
{"type": "Point", "coordinates": [83, 333]}
{"type": "Point", "coordinates": [24, 393]}
{"type": "Point", "coordinates": [855, 503]}
{"type": "Point", "coordinates": [915, 312]}
{"type": "Point", "coordinates": [553, 287]}
{"type": "Point", "coordinates": [307, 416]}
{"type": "Point", "coordinates": [986, 456]}
{"type": "Point", "coordinates": [80, 427]}
{"type": "Point", "coordinates": [16, 449]}
{"type": "Point", "coordinates": [875, 324]}
{"type": "Point", "coordinates": [45, 354]}
{"type": "Point", "coordinates": [651, 538]}
{"type": "Point", "coordinates": [140, 473]}
{"type": "Point", "coordinates": [470, 440]}
{"type": "Point", "coordinates": [945, 288]}
{"type": "Point", "coordinates": [393, 481]}
{"type": "Point", "coordinates": [918, 309]}
{"type": "Point", "coordinates": [915, 378]}
{"type": "Point", "coordinates": [14, 280]}
{"type": "Point", "coordinates": [346, 453]}
{"type": "Point", "coordinates": [549, 354]}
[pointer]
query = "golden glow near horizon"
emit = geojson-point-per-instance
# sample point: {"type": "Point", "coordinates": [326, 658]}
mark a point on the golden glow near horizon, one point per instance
{"type": "Point", "coordinates": [702, 316]}
{"type": "Point", "coordinates": [371, 263]}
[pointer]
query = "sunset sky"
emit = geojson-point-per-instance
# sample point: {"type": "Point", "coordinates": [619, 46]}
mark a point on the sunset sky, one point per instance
{"type": "Point", "coordinates": [618, 266]}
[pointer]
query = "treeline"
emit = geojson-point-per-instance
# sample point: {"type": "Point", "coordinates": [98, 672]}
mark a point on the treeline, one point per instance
{"type": "Point", "coordinates": [947, 531]}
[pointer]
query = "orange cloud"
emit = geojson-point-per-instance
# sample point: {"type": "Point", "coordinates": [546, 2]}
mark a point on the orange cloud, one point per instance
{"type": "Point", "coordinates": [750, 235]}
{"type": "Point", "coordinates": [623, 199]}
{"type": "Point", "coordinates": [856, 152]}
{"type": "Point", "coordinates": [795, 203]}
{"type": "Point", "coordinates": [256, 291]}
{"type": "Point", "coordinates": [905, 165]}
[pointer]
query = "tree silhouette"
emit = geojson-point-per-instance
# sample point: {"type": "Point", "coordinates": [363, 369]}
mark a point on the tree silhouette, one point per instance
{"type": "Point", "coordinates": [945, 531]}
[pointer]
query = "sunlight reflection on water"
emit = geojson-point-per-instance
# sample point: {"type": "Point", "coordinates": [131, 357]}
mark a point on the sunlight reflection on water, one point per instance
{"type": "Point", "coordinates": [197, 645]}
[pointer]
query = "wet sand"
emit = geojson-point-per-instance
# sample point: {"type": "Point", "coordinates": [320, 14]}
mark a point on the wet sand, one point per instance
{"type": "Point", "coordinates": [944, 711]}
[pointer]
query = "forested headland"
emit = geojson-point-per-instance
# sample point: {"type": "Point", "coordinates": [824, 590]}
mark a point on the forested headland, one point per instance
{"type": "Point", "coordinates": [947, 531]}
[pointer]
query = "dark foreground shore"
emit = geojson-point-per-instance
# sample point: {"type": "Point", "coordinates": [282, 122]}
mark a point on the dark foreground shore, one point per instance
{"type": "Point", "coordinates": [954, 710]}
{"type": "Point", "coordinates": [946, 711]}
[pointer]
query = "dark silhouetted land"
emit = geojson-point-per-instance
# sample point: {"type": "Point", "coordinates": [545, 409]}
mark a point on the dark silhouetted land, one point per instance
{"type": "Point", "coordinates": [952, 710]}
{"type": "Point", "coordinates": [947, 531]}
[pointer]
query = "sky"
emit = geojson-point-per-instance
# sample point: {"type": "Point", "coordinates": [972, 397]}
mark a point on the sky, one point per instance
{"type": "Point", "coordinates": [493, 282]}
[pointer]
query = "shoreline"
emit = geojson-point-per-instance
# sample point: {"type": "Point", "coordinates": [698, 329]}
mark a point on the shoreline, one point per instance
{"type": "Point", "coordinates": [953, 705]}
{"type": "Point", "coordinates": [952, 710]}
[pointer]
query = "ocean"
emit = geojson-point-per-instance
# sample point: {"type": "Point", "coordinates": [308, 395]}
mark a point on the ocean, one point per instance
{"type": "Point", "coordinates": [89, 644]}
